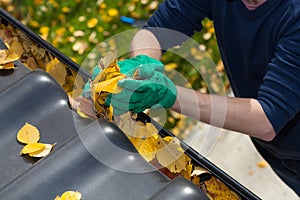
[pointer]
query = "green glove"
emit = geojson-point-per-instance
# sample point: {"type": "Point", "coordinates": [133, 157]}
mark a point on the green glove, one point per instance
{"type": "Point", "coordinates": [153, 90]}
{"type": "Point", "coordinates": [127, 67]}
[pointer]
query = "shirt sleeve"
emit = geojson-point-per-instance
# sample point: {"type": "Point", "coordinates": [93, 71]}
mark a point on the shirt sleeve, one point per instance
{"type": "Point", "coordinates": [279, 95]}
{"type": "Point", "coordinates": [177, 20]}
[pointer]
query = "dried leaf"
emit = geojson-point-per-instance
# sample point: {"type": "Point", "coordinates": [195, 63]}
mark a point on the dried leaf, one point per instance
{"type": "Point", "coordinates": [262, 164]}
{"type": "Point", "coordinates": [81, 114]}
{"type": "Point", "coordinates": [146, 147]}
{"type": "Point", "coordinates": [73, 84]}
{"type": "Point", "coordinates": [105, 83]}
{"type": "Point", "coordinates": [32, 148]}
{"type": "Point", "coordinates": [187, 171]}
{"type": "Point", "coordinates": [32, 63]}
{"type": "Point", "coordinates": [92, 22]}
{"type": "Point", "coordinates": [143, 136]}
{"type": "Point", "coordinates": [134, 128]}
{"type": "Point", "coordinates": [7, 56]}
{"type": "Point", "coordinates": [28, 134]}
{"type": "Point", "coordinates": [43, 152]}
{"type": "Point", "coordinates": [196, 180]}
{"type": "Point", "coordinates": [80, 47]}
{"type": "Point", "coordinates": [218, 190]}
{"type": "Point", "coordinates": [110, 85]}
{"type": "Point", "coordinates": [57, 70]}
{"type": "Point", "coordinates": [170, 154]}
{"type": "Point", "coordinates": [37, 51]}
{"type": "Point", "coordinates": [113, 12]}
{"type": "Point", "coordinates": [69, 195]}
{"type": "Point", "coordinates": [153, 5]}
{"type": "Point", "coordinates": [16, 47]}
{"type": "Point", "coordinates": [9, 65]}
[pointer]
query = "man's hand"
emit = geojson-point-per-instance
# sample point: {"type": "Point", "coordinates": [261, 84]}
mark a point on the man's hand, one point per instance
{"type": "Point", "coordinates": [152, 89]}
{"type": "Point", "coordinates": [127, 67]}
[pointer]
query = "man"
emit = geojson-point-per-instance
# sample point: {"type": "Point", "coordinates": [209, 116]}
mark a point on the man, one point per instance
{"type": "Point", "coordinates": [259, 41]}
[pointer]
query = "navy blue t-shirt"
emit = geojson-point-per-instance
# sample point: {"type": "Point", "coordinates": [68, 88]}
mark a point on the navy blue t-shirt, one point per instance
{"type": "Point", "coordinates": [260, 50]}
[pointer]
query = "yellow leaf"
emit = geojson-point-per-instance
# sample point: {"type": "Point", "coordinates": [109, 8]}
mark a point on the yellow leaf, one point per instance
{"type": "Point", "coordinates": [196, 180]}
{"type": "Point", "coordinates": [218, 190]}
{"type": "Point", "coordinates": [81, 114]}
{"type": "Point", "coordinates": [103, 5]}
{"type": "Point", "coordinates": [178, 165]}
{"type": "Point", "coordinates": [60, 31]}
{"type": "Point", "coordinates": [110, 85]}
{"type": "Point", "coordinates": [145, 146]}
{"type": "Point", "coordinates": [32, 148]}
{"type": "Point", "coordinates": [9, 65]}
{"type": "Point", "coordinates": [170, 154]}
{"type": "Point", "coordinates": [143, 136]}
{"type": "Point", "coordinates": [69, 195]}
{"type": "Point", "coordinates": [108, 65]}
{"type": "Point", "coordinates": [73, 84]}
{"type": "Point", "coordinates": [105, 82]}
{"type": "Point", "coordinates": [110, 111]}
{"type": "Point", "coordinates": [57, 70]}
{"type": "Point", "coordinates": [262, 164]}
{"type": "Point", "coordinates": [113, 12]}
{"type": "Point", "coordinates": [135, 129]}
{"type": "Point", "coordinates": [105, 18]}
{"type": "Point", "coordinates": [7, 56]}
{"type": "Point", "coordinates": [101, 98]}
{"type": "Point", "coordinates": [34, 24]}
{"type": "Point", "coordinates": [66, 9]}
{"type": "Point", "coordinates": [170, 66]}
{"type": "Point", "coordinates": [42, 152]}
{"type": "Point", "coordinates": [92, 22]}
{"type": "Point", "coordinates": [16, 47]}
{"type": "Point", "coordinates": [188, 169]}
{"type": "Point", "coordinates": [28, 134]}
{"type": "Point", "coordinates": [44, 31]}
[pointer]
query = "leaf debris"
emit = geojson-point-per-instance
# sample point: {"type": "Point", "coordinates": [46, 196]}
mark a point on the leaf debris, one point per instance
{"type": "Point", "coordinates": [30, 136]}
{"type": "Point", "coordinates": [69, 195]}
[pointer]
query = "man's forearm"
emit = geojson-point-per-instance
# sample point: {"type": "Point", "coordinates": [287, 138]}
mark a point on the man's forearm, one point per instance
{"type": "Point", "coordinates": [237, 114]}
{"type": "Point", "coordinates": [144, 42]}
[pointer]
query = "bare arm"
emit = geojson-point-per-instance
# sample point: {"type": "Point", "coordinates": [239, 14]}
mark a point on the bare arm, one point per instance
{"type": "Point", "coordinates": [237, 114]}
{"type": "Point", "coordinates": [144, 42]}
{"type": "Point", "coordinates": [244, 115]}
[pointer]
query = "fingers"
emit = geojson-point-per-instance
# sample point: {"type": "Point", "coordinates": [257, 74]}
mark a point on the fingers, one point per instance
{"type": "Point", "coordinates": [137, 102]}
{"type": "Point", "coordinates": [129, 66]}
{"type": "Point", "coordinates": [133, 85]}
{"type": "Point", "coordinates": [153, 67]}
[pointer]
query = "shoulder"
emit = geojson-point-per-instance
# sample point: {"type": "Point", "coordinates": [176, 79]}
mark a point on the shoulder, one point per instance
{"type": "Point", "coordinates": [294, 6]}
{"type": "Point", "coordinates": [287, 17]}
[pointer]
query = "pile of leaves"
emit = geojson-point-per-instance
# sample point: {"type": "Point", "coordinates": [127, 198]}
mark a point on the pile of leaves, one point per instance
{"type": "Point", "coordinates": [6, 59]}
{"type": "Point", "coordinates": [167, 155]}
{"type": "Point", "coordinates": [22, 48]}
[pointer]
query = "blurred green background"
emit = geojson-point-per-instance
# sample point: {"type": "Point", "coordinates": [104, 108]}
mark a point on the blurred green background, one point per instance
{"type": "Point", "coordinates": [76, 27]}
